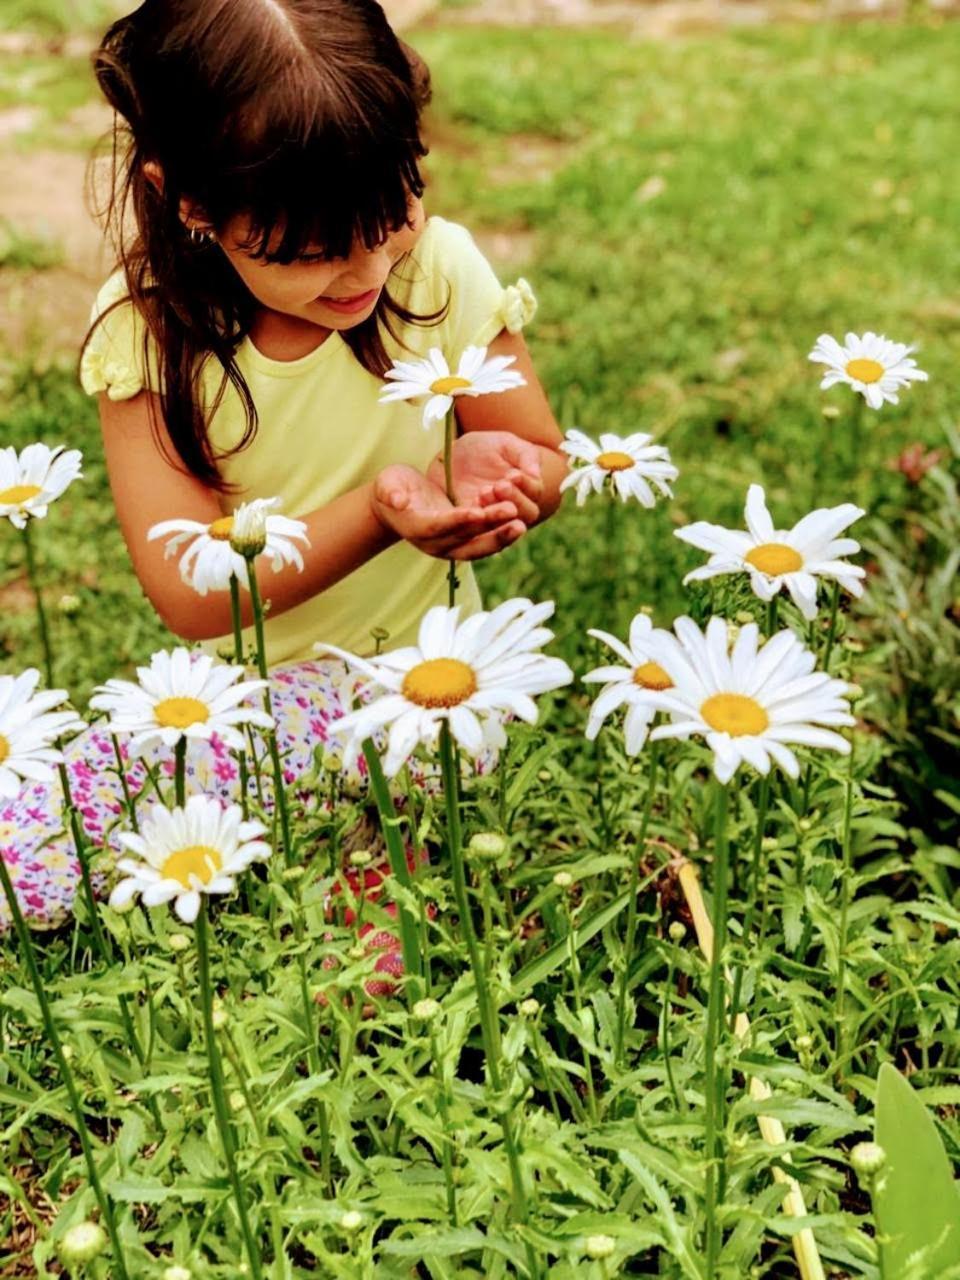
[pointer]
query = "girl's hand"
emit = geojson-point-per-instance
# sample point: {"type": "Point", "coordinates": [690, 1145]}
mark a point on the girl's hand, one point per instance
{"type": "Point", "coordinates": [415, 509]}
{"type": "Point", "coordinates": [493, 466]}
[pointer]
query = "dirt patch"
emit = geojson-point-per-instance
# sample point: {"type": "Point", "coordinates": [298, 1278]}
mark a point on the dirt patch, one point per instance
{"type": "Point", "coordinates": [530, 157]}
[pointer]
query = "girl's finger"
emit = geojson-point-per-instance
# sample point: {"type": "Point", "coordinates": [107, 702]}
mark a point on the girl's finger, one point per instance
{"type": "Point", "coordinates": [488, 544]}
{"type": "Point", "coordinates": [527, 509]}
{"type": "Point", "coordinates": [460, 524]}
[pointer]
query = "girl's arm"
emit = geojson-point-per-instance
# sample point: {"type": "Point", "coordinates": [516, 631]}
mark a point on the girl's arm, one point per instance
{"type": "Point", "coordinates": [149, 486]}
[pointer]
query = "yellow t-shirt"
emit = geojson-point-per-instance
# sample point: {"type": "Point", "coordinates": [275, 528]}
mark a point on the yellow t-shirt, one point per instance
{"type": "Point", "coordinates": [322, 432]}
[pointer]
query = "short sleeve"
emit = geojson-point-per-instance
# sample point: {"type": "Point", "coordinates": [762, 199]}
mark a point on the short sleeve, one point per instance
{"type": "Point", "coordinates": [479, 305]}
{"type": "Point", "coordinates": [114, 359]}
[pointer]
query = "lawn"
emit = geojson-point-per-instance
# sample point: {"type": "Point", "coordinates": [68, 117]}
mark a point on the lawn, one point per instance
{"type": "Point", "coordinates": [692, 215]}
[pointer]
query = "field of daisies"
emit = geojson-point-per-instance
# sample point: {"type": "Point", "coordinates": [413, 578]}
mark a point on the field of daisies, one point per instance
{"type": "Point", "coordinates": [614, 931]}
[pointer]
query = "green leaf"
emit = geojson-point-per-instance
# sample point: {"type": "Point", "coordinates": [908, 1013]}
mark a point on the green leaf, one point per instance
{"type": "Point", "coordinates": [916, 1200]}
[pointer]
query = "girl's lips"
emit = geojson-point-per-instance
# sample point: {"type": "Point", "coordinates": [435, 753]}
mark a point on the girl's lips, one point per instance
{"type": "Point", "coordinates": [359, 302]}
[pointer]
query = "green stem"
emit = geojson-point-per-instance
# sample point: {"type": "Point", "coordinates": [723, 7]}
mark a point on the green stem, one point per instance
{"type": "Point", "coordinates": [41, 611]}
{"type": "Point", "coordinates": [665, 1033]}
{"type": "Point", "coordinates": [762, 808]}
{"type": "Point", "coordinates": [396, 852]}
{"type": "Point", "coordinates": [443, 1105]}
{"type": "Point", "coordinates": [238, 657]}
{"type": "Point", "coordinates": [578, 1003]}
{"type": "Point", "coordinates": [824, 666]}
{"type": "Point", "coordinates": [449, 435]}
{"type": "Point", "coordinates": [845, 873]}
{"type": "Point", "coordinates": [714, 1120]}
{"type": "Point", "coordinates": [122, 774]}
{"type": "Point", "coordinates": [80, 1120]}
{"type": "Point", "coordinates": [180, 772]}
{"type": "Point", "coordinates": [218, 1092]}
{"type": "Point", "coordinates": [632, 908]}
{"type": "Point", "coordinates": [279, 785]}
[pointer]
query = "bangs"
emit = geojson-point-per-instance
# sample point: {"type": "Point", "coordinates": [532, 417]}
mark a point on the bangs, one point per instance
{"type": "Point", "coordinates": [312, 182]}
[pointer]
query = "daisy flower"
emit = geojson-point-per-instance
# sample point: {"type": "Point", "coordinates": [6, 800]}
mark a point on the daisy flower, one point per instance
{"type": "Point", "coordinates": [468, 673]}
{"type": "Point", "coordinates": [793, 558]}
{"type": "Point", "coordinates": [210, 558]}
{"type": "Point", "coordinates": [748, 702]}
{"type": "Point", "coordinates": [872, 365]}
{"type": "Point", "coordinates": [181, 695]}
{"type": "Point", "coordinates": [184, 853]}
{"type": "Point", "coordinates": [28, 727]}
{"type": "Point", "coordinates": [475, 376]}
{"type": "Point", "coordinates": [31, 481]}
{"type": "Point", "coordinates": [628, 684]}
{"type": "Point", "coordinates": [628, 462]}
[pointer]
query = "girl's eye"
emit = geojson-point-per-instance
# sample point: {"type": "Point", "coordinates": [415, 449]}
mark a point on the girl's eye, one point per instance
{"type": "Point", "coordinates": [312, 257]}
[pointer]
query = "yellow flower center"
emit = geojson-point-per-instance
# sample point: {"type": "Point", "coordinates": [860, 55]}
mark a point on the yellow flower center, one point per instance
{"type": "Point", "coordinates": [774, 558]}
{"type": "Point", "coordinates": [863, 370]}
{"type": "Point", "coordinates": [19, 493]}
{"type": "Point", "coordinates": [4, 748]}
{"type": "Point", "coordinates": [180, 713]}
{"type": "Point", "coordinates": [221, 529]}
{"type": "Point", "coordinates": [439, 682]}
{"type": "Point", "coordinates": [615, 461]}
{"type": "Point", "coordinates": [650, 675]}
{"type": "Point", "coordinates": [198, 860]}
{"type": "Point", "coordinates": [443, 386]}
{"type": "Point", "coordinates": [734, 713]}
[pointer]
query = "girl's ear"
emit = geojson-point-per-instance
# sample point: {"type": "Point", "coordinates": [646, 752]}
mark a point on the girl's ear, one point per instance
{"type": "Point", "coordinates": [190, 215]}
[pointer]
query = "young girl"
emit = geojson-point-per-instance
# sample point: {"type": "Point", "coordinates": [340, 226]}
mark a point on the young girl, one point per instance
{"type": "Point", "coordinates": [275, 259]}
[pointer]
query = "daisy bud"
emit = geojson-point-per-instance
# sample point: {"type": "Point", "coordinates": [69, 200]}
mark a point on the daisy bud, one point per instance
{"type": "Point", "coordinates": [379, 635]}
{"type": "Point", "coordinates": [426, 1009]}
{"type": "Point", "coordinates": [361, 858]}
{"type": "Point", "coordinates": [804, 1043]}
{"type": "Point", "coordinates": [69, 605]}
{"type": "Point", "coordinates": [248, 534]}
{"type": "Point", "coordinates": [677, 931]}
{"type": "Point", "coordinates": [530, 1007]}
{"type": "Point", "coordinates": [356, 953]}
{"type": "Point", "coordinates": [563, 879]}
{"type": "Point", "coordinates": [68, 1051]}
{"type": "Point", "coordinates": [868, 1158]}
{"type": "Point", "coordinates": [293, 873]}
{"type": "Point", "coordinates": [332, 762]}
{"type": "Point", "coordinates": [177, 1273]}
{"type": "Point", "coordinates": [544, 775]}
{"type": "Point", "coordinates": [351, 1221]}
{"type": "Point", "coordinates": [178, 942]}
{"type": "Point", "coordinates": [804, 824]}
{"type": "Point", "coordinates": [83, 1243]}
{"type": "Point", "coordinates": [237, 1101]}
{"type": "Point", "coordinates": [769, 843]}
{"type": "Point", "coordinates": [830, 411]}
{"type": "Point", "coordinates": [743, 617]}
{"type": "Point", "coordinates": [488, 845]}
{"type": "Point", "coordinates": [599, 1246]}
{"type": "Point", "coordinates": [219, 1016]}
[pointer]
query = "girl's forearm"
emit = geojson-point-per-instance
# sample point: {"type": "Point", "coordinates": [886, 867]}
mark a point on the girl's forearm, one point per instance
{"type": "Point", "coordinates": [553, 468]}
{"type": "Point", "coordinates": [344, 535]}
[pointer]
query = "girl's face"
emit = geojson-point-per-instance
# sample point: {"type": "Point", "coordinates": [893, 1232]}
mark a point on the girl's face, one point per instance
{"type": "Point", "coordinates": [336, 293]}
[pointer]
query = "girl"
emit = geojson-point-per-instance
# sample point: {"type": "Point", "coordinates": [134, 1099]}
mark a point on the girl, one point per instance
{"type": "Point", "coordinates": [275, 258]}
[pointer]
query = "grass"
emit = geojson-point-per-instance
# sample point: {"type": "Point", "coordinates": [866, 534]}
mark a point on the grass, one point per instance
{"type": "Point", "coordinates": [699, 212]}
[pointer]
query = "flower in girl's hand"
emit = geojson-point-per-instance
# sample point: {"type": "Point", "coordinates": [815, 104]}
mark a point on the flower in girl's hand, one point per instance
{"type": "Point", "coordinates": [748, 702]}
{"type": "Point", "coordinates": [468, 673]}
{"type": "Point", "coordinates": [210, 559]}
{"type": "Point", "coordinates": [184, 853]}
{"type": "Point", "coordinates": [29, 728]}
{"type": "Point", "coordinates": [475, 376]}
{"type": "Point", "coordinates": [30, 481]}
{"type": "Point", "coordinates": [628, 684]}
{"type": "Point", "coordinates": [628, 462]}
{"type": "Point", "coordinates": [872, 365]}
{"type": "Point", "coordinates": [181, 695]}
{"type": "Point", "coordinates": [795, 558]}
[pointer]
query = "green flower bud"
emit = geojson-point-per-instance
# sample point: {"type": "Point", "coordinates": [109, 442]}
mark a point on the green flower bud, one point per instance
{"type": "Point", "coordinates": [69, 605]}
{"type": "Point", "coordinates": [426, 1009]}
{"type": "Point", "coordinates": [743, 617]}
{"type": "Point", "coordinates": [804, 1043]}
{"type": "Point", "coordinates": [868, 1158]}
{"type": "Point", "coordinates": [830, 411]}
{"type": "Point", "coordinates": [83, 1243]}
{"type": "Point", "coordinates": [769, 843]}
{"type": "Point", "coordinates": [351, 1220]}
{"type": "Point", "coordinates": [237, 1100]}
{"type": "Point", "coordinates": [361, 858]}
{"type": "Point", "coordinates": [677, 931]}
{"type": "Point", "coordinates": [177, 1273]}
{"type": "Point", "coordinates": [248, 534]}
{"type": "Point", "coordinates": [488, 844]}
{"type": "Point", "coordinates": [599, 1246]}
{"type": "Point", "coordinates": [530, 1007]}
{"type": "Point", "coordinates": [178, 942]}
{"type": "Point", "coordinates": [332, 761]}
{"type": "Point", "coordinates": [219, 1016]}
{"type": "Point", "coordinates": [563, 879]}
{"type": "Point", "coordinates": [289, 874]}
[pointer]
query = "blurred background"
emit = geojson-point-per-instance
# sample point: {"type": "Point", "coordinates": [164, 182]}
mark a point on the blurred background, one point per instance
{"type": "Point", "coordinates": [696, 189]}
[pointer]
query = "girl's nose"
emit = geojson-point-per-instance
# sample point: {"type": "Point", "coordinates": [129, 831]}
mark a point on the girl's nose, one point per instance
{"type": "Point", "coordinates": [368, 268]}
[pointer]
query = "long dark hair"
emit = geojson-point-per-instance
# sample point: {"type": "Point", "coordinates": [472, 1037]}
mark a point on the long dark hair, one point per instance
{"type": "Point", "coordinates": [303, 116]}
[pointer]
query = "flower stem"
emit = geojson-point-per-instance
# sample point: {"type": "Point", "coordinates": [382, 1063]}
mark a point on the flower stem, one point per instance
{"type": "Point", "coordinates": [632, 907]}
{"type": "Point", "coordinates": [238, 657]}
{"type": "Point", "coordinates": [180, 772]}
{"type": "Point", "coordinates": [824, 666]}
{"type": "Point", "coordinates": [763, 805]}
{"type": "Point", "coordinates": [122, 774]}
{"type": "Point", "coordinates": [714, 1120]}
{"type": "Point", "coordinates": [449, 435]}
{"type": "Point", "coordinates": [46, 1013]}
{"type": "Point", "coordinates": [218, 1092]}
{"type": "Point", "coordinates": [845, 874]}
{"type": "Point", "coordinates": [41, 611]}
{"type": "Point", "coordinates": [390, 823]}
{"type": "Point", "coordinates": [665, 1033]}
{"type": "Point", "coordinates": [279, 785]}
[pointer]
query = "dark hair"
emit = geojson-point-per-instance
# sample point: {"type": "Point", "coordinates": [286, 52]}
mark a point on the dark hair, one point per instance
{"type": "Point", "coordinates": [248, 107]}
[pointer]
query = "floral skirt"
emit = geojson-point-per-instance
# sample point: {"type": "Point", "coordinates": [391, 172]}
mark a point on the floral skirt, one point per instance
{"type": "Point", "coordinates": [39, 851]}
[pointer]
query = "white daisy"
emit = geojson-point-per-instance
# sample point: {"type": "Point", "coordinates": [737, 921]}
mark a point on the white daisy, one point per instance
{"type": "Point", "coordinates": [210, 560]}
{"type": "Point", "coordinates": [28, 728]}
{"type": "Point", "coordinates": [748, 702]}
{"type": "Point", "coordinates": [793, 558]}
{"type": "Point", "coordinates": [181, 695]}
{"type": "Point", "coordinates": [872, 365]}
{"type": "Point", "coordinates": [628, 684]}
{"type": "Point", "coordinates": [31, 481]}
{"type": "Point", "coordinates": [183, 853]}
{"type": "Point", "coordinates": [628, 462]}
{"type": "Point", "coordinates": [475, 376]}
{"type": "Point", "coordinates": [468, 673]}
